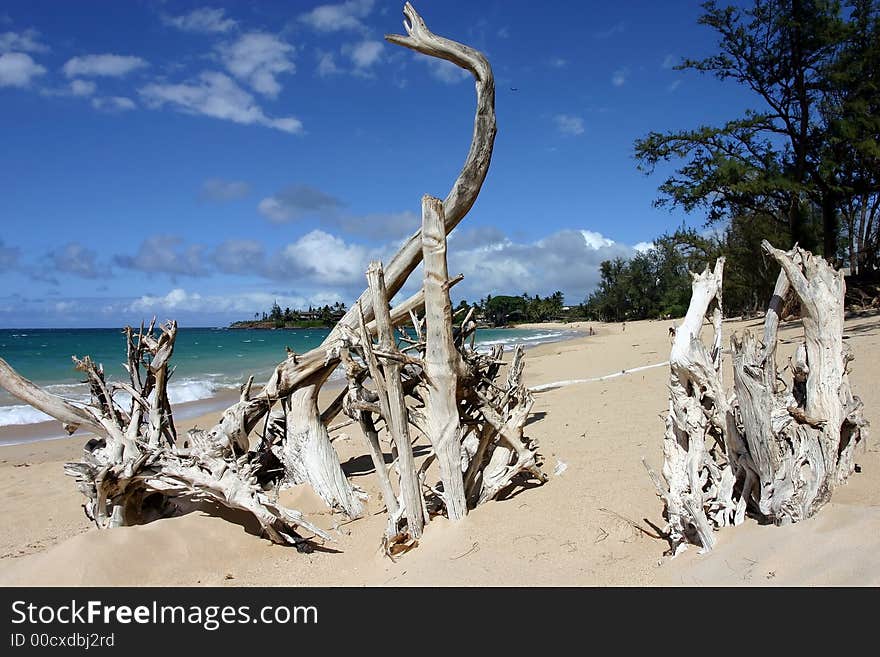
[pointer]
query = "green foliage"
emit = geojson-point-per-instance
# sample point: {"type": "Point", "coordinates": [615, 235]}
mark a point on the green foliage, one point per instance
{"type": "Point", "coordinates": [503, 309]}
{"type": "Point", "coordinates": [812, 143]}
{"type": "Point", "coordinates": [654, 283]}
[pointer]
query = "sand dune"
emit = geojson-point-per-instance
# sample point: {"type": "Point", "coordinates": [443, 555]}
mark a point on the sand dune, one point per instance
{"type": "Point", "coordinates": [592, 524]}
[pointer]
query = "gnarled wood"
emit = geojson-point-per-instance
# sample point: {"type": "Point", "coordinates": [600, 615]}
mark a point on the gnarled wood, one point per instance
{"type": "Point", "coordinates": [774, 449]}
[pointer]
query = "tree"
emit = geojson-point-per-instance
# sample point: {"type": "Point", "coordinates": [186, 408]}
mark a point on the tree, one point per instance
{"type": "Point", "coordinates": [501, 308]}
{"type": "Point", "coordinates": [780, 159]}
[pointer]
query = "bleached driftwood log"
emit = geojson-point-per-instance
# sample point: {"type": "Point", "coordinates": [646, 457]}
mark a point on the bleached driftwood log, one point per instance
{"type": "Point", "coordinates": [773, 449]}
{"type": "Point", "coordinates": [138, 467]}
{"type": "Point", "coordinates": [698, 416]}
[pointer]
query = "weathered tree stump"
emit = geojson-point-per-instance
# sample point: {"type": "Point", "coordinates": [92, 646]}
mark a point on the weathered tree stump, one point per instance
{"type": "Point", "coordinates": [772, 449]}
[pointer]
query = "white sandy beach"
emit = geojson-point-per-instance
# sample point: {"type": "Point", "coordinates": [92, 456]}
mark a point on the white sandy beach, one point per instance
{"type": "Point", "coordinates": [593, 523]}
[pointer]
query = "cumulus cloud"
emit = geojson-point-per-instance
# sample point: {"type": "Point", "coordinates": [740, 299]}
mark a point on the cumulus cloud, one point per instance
{"type": "Point", "coordinates": [337, 17]}
{"type": "Point", "coordinates": [364, 55]}
{"type": "Point", "coordinates": [107, 65]}
{"type": "Point", "coordinates": [643, 247]}
{"type": "Point", "coordinates": [569, 125]}
{"type": "Point", "coordinates": [113, 104]}
{"type": "Point", "coordinates": [166, 254]}
{"type": "Point", "coordinates": [321, 258]}
{"type": "Point", "coordinates": [297, 201]}
{"type": "Point", "coordinates": [8, 257]}
{"type": "Point", "coordinates": [22, 42]}
{"type": "Point", "coordinates": [256, 59]}
{"type": "Point", "coordinates": [18, 69]}
{"type": "Point", "coordinates": [205, 20]}
{"type": "Point", "coordinates": [76, 259]}
{"type": "Point", "coordinates": [219, 190]}
{"type": "Point", "coordinates": [218, 96]}
{"type": "Point", "coordinates": [566, 260]}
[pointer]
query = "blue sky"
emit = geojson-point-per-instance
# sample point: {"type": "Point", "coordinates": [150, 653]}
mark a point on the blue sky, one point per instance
{"type": "Point", "coordinates": [199, 160]}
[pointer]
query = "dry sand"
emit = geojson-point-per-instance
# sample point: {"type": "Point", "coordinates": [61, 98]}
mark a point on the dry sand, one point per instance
{"type": "Point", "coordinates": [591, 524]}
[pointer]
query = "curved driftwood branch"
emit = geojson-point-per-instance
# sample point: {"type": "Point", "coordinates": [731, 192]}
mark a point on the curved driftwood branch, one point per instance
{"type": "Point", "coordinates": [316, 365]}
{"type": "Point", "coordinates": [467, 185]}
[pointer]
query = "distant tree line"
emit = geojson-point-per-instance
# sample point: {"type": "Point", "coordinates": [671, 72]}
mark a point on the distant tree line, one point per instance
{"type": "Point", "coordinates": [656, 283]}
{"type": "Point", "coordinates": [503, 309]}
{"type": "Point", "coordinates": [312, 317]}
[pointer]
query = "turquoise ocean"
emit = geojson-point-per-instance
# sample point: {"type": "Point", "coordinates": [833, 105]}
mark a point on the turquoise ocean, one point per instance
{"type": "Point", "coordinates": [207, 361]}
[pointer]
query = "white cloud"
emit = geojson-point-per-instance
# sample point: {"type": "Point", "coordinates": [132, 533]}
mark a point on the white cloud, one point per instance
{"type": "Point", "coordinates": [82, 87]}
{"type": "Point", "coordinates": [364, 54]}
{"type": "Point", "coordinates": [344, 16]}
{"type": "Point", "coordinates": [569, 125]}
{"type": "Point", "coordinates": [596, 240]}
{"type": "Point", "coordinates": [669, 61]}
{"type": "Point", "coordinates": [323, 259]}
{"type": "Point", "coordinates": [672, 86]}
{"type": "Point", "coordinates": [643, 247]}
{"type": "Point", "coordinates": [567, 260]}
{"type": "Point", "coordinates": [257, 58]}
{"type": "Point", "coordinates": [204, 20]}
{"type": "Point", "coordinates": [18, 69]}
{"type": "Point", "coordinates": [113, 104]}
{"type": "Point", "coordinates": [218, 96]}
{"type": "Point", "coordinates": [503, 32]}
{"type": "Point", "coordinates": [102, 65]}
{"type": "Point", "coordinates": [22, 42]}
{"type": "Point", "coordinates": [618, 78]}
{"type": "Point", "coordinates": [327, 64]}
{"type": "Point", "coordinates": [443, 70]}
{"type": "Point", "coordinates": [216, 189]}
{"type": "Point", "coordinates": [558, 62]}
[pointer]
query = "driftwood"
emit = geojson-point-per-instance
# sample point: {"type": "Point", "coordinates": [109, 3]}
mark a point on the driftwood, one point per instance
{"type": "Point", "coordinates": [773, 449]}
{"type": "Point", "coordinates": [437, 389]}
{"type": "Point", "coordinates": [137, 468]}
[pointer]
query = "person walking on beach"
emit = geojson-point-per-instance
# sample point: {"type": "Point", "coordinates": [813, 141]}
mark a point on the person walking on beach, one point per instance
{"type": "Point", "coordinates": [623, 329]}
